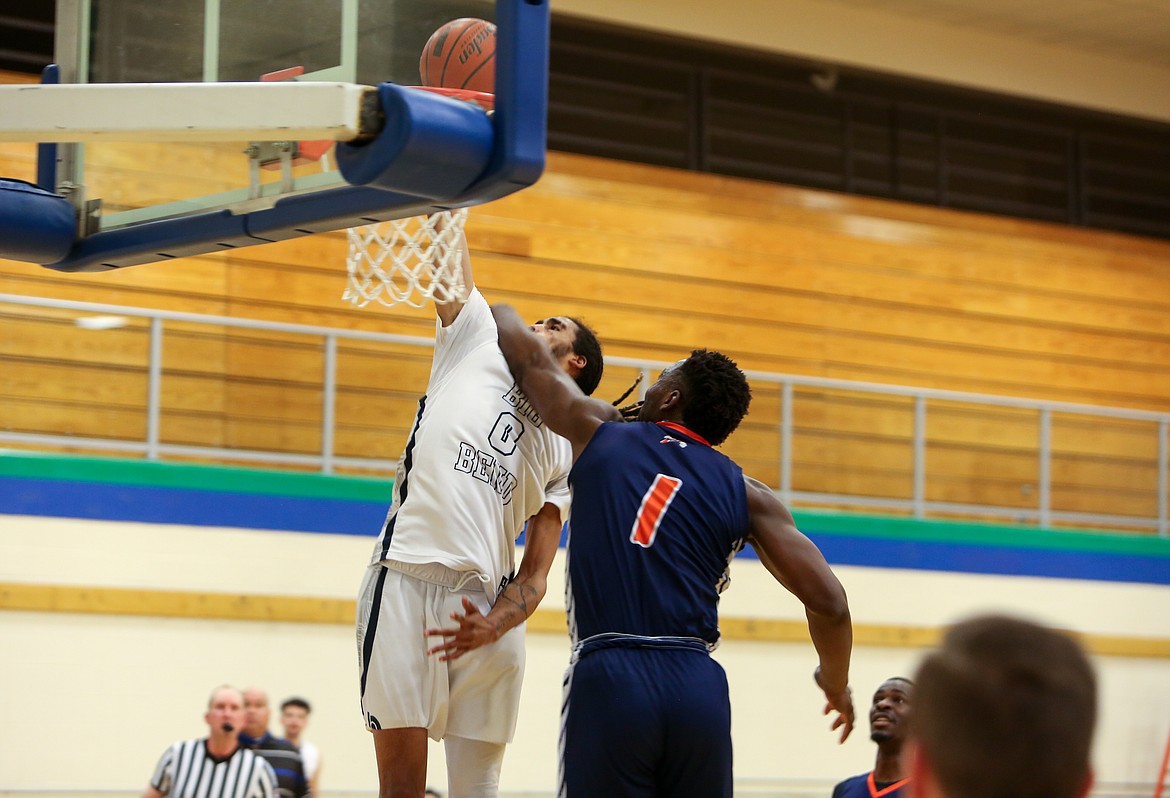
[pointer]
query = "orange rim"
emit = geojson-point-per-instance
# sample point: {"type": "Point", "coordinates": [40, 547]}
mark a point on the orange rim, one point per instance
{"type": "Point", "coordinates": [483, 99]}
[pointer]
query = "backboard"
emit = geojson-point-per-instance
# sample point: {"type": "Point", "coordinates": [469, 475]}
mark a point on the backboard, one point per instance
{"type": "Point", "coordinates": [140, 200]}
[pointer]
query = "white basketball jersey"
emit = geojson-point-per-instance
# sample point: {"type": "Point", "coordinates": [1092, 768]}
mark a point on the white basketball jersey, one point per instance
{"type": "Point", "coordinates": [478, 463]}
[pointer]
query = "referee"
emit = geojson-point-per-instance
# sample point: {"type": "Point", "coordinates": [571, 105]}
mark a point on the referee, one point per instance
{"type": "Point", "coordinates": [214, 766]}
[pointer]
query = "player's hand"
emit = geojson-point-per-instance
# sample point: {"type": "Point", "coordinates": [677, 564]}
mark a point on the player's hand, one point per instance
{"type": "Point", "coordinates": [473, 630]}
{"type": "Point", "coordinates": [841, 702]}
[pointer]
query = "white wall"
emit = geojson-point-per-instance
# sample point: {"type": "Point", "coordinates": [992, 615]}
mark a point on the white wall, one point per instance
{"type": "Point", "coordinates": [822, 30]}
{"type": "Point", "coordinates": [131, 685]}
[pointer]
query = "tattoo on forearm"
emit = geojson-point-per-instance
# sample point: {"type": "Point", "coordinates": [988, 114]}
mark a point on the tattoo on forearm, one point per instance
{"type": "Point", "coordinates": [519, 598]}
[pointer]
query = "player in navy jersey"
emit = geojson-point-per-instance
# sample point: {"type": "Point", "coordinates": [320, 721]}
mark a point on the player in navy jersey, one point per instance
{"type": "Point", "coordinates": [889, 716]}
{"type": "Point", "coordinates": [657, 514]}
{"type": "Point", "coordinates": [286, 760]}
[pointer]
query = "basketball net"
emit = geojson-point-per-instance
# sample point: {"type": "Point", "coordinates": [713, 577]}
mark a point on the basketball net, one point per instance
{"type": "Point", "coordinates": [407, 261]}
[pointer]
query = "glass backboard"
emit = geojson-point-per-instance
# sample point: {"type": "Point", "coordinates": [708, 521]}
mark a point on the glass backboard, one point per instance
{"type": "Point", "coordinates": [121, 188]}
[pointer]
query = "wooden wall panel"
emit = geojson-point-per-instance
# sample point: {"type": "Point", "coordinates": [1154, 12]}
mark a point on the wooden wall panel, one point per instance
{"type": "Point", "coordinates": [660, 261]}
{"type": "Point", "coordinates": [82, 418]}
{"type": "Point", "coordinates": [908, 310]}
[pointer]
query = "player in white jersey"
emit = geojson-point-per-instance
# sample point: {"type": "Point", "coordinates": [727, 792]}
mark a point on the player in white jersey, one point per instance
{"type": "Point", "coordinates": [478, 464]}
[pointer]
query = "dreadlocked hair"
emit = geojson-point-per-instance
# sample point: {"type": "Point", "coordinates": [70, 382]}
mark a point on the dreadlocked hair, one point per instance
{"type": "Point", "coordinates": [629, 412]}
{"type": "Point", "coordinates": [717, 395]}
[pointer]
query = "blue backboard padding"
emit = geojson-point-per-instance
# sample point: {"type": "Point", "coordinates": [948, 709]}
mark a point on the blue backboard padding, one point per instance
{"type": "Point", "coordinates": [47, 153]}
{"type": "Point", "coordinates": [436, 150]}
{"type": "Point", "coordinates": [36, 225]}
{"type": "Point", "coordinates": [521, 118]}
{"type": "Point", "coordinates": [332, 209]}
{"type": "Point", "coordinates": [157, 241]}
{"type": "Point", "coordinates": [165, 505]}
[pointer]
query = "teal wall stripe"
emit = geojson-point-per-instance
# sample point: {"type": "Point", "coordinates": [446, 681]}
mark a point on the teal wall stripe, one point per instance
{"type": "Point", "coordinates": [217, 478]}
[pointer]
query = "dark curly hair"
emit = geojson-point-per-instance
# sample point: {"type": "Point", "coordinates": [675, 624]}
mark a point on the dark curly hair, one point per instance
{"type": "Point", "coordinates": [717, 394]}
{"type": "Point", "coordinates": [587, 346]}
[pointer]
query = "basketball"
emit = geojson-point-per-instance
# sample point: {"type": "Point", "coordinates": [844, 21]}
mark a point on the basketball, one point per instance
{"type": "Point", "coordinates": [461, 55]}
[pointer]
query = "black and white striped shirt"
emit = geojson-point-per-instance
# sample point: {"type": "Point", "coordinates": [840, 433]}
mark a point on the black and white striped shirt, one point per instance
{"type": "Point", "coordinates": [188, 770]}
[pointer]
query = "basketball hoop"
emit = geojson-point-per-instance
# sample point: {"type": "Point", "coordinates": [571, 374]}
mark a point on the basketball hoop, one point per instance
{"type": "Point", "coordinates": [410, 261]}
{"type": "Point", "coordinates": [407, 261]}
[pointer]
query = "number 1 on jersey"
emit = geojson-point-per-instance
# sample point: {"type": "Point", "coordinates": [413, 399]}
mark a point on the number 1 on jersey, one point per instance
{"type": "Point", "coordinates": [654, 504]}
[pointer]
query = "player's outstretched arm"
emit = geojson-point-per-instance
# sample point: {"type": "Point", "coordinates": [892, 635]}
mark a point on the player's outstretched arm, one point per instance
{"type": "Point", "coordinates": [798, 564]}
{"type": "Point", "coordinates": [556, 397]}
{"type": "Point", "coordinates": [516, 602]}
{"type": "Point", "coordinates": [448, 312]}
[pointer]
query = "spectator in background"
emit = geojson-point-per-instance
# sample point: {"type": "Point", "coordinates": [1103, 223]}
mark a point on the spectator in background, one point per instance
{"type": "Point", "coordinates": [1005, 707]}
{"type": "Point", "coordinates": [200, 768]}
{"type": "Point", "coordinates": [889, 714]}
{"type": "Point", "coordinates": [294, 717]}
{"type": "Point", "coordinates": [281, 754]}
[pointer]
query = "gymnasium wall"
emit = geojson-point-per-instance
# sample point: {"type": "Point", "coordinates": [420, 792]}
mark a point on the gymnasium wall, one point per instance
{"type": "Point", "coordinates": [1037, 65]}
{"type": "Point", "coordinates": [782, 279]}
{"type": "Point", "coordinates": [128, 590]}
{"type": "Point", "coordinates": [659, 261]}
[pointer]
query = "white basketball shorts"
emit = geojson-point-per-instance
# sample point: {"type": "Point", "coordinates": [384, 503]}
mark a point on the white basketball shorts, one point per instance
{"type": "Point", "coordinates": [476, 696]}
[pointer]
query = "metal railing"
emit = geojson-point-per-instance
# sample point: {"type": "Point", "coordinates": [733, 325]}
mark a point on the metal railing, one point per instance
{"type": "Point", "coordinates": [182, 386]}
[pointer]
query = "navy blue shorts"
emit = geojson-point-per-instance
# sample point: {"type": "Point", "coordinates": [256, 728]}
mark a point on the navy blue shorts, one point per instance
{"type": "Point", "coordinates": [646, 722]}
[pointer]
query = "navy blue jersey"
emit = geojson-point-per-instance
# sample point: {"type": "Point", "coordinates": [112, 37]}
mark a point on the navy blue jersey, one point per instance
{"type": "Point", "coordinates": [657, 516]}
